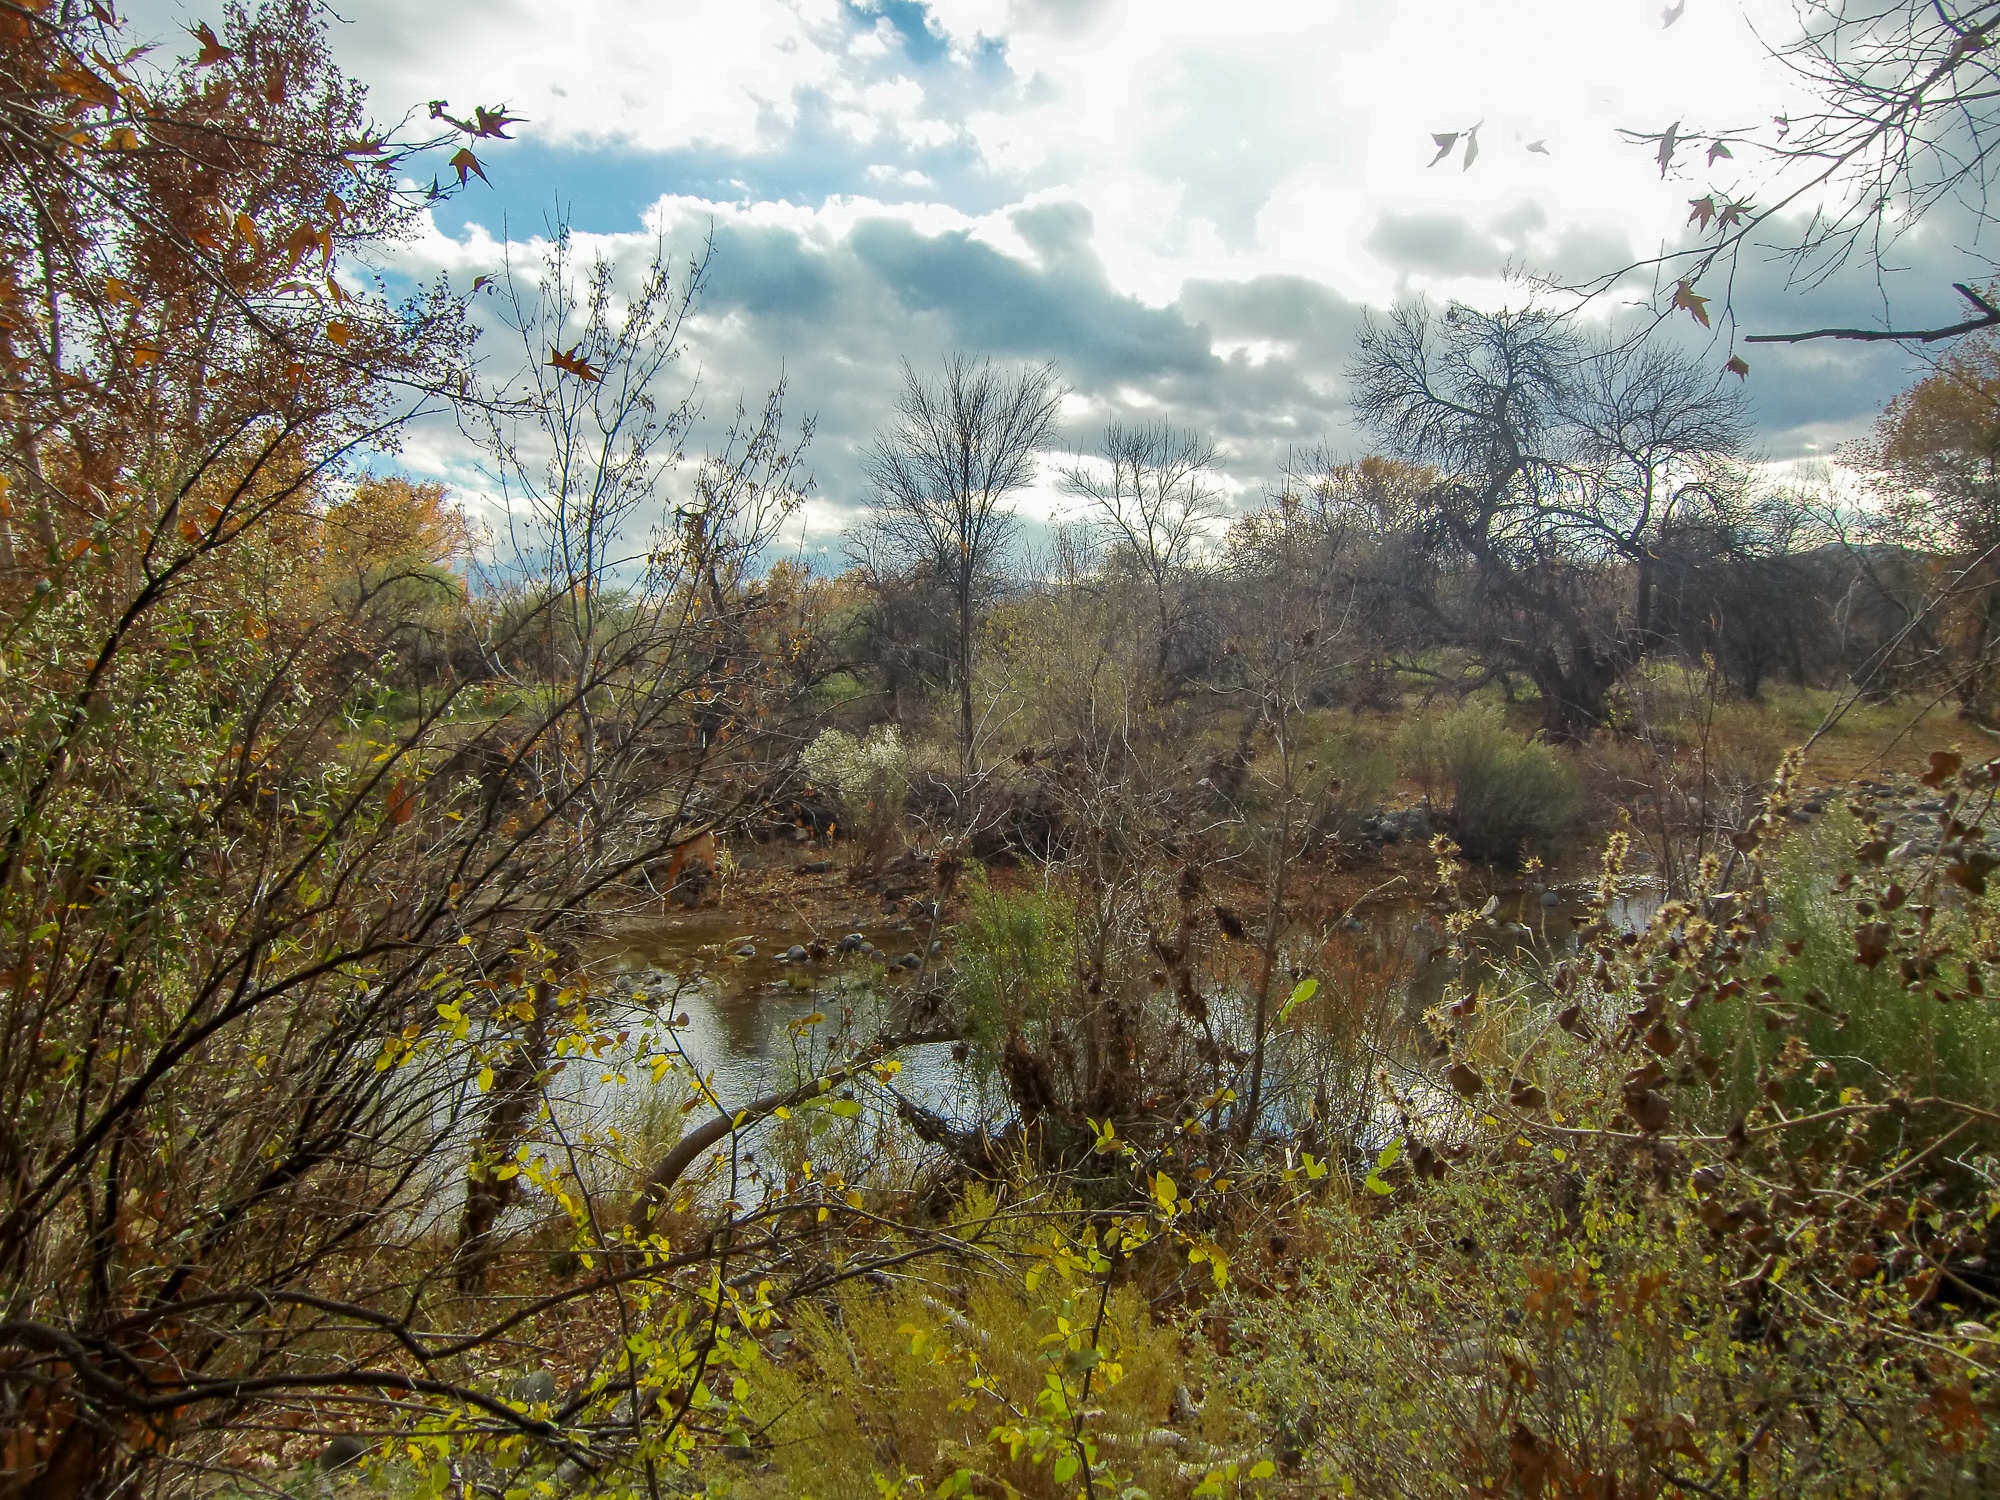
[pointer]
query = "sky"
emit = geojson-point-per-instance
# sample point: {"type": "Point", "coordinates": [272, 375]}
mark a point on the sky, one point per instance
{"type": "Point", "coordinates": [1187, 207]}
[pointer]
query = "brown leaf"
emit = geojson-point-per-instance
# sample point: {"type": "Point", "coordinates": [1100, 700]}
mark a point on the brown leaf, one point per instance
{"type": "Point", "coordinates": [1871, 943]}
{"type": "Point", "coordinates": [1738, 367]}
{"type": "Point", "coordinates": [493, 122]}
{"type": "Point", "coordinates": [1649, 1108]}
{"type": "Point", "coordinates": [1703, 211]}
{"type": "Point", "coordinates": [466, 164]}
{"type": "Point", "coordinates": [1525, 1096]}
{"type": "Point", "coordinates": [338, 333]}
{"type": "Point", "coordinates": [1958, 1414]}
{"type": "Point", "coordinates": [1572, 1020]}
{"type": "Point", "coordinates": [571, 362]}
{"type": "Point", "coordinates": [1971, 872]}
{"type": "Point", "coordinates": [1464, 1079]}
{"type": "Point", "coordinates": [212, 50]}
{"type": "Point", "coordinates": [1684, 296]}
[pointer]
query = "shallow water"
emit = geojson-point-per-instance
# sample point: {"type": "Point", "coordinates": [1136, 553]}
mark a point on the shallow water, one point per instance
{"type": "Point", "coordinates": [738, 1016]}
{"type": "Point", "coordinates": [741, 1029]}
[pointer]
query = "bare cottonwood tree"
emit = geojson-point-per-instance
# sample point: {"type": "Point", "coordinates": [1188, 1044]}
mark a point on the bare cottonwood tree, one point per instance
{"type": "Point", "coordinates": [942, 474]}
{"type": "Point", "coordinates": [1154, 496]}
{"type": "Point", "coordinates": [1562, 466]}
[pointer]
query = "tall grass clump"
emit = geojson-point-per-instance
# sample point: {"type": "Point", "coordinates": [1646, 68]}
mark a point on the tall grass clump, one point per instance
{"type": "Point", "coordinates": [1015, 957]}
{"type": "Point", "coordinates": [1499, 794]}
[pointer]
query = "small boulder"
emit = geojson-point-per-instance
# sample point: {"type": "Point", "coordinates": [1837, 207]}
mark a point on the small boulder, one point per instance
{"type": "Point", "coordinates": [747, 950]}
{"type": "Point", "coordinates": [345, 1450]}
{"type": "Point", "coordinates": [854, 942]}
{"type": "Point", "coordinates": [796, 954]}
{"type": "Point", "coordinates": [533, 1387]}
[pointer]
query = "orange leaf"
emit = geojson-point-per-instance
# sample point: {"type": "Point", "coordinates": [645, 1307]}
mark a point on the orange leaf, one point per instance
{"type": "Point", "coordinates": [401, 802]}
{"type": "Point", "coordinates": [1684, 296]}
{"type": "Point", "coordinates": [144, 354]}
{"type": "Point", "coordinates": [1941, 766]}
{"type": "Point", "coordinates": [338, 333]}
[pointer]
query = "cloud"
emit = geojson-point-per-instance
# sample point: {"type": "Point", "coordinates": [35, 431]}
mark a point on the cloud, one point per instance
{"type": "Point", "coordinates": [1441, 244]}
{"type": "Point", "coordinates": [1187, 214]}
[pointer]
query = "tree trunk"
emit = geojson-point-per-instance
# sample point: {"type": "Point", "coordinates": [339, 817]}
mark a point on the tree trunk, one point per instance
{"type": "Point", "coordinates": [1574, 693]}
{"type": "Point", "coordinates": [965, 766]}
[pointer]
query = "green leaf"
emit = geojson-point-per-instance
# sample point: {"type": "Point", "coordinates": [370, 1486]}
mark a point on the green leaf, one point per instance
{"type": "Point", "coordinates": [1303, 991]}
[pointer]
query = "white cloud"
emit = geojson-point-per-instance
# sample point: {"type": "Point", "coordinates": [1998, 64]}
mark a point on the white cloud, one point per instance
{"type": "Point", "coordinates": [1185, 204]}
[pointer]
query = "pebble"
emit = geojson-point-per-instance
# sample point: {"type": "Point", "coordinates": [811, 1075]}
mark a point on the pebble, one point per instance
{"type": "Point", "coordinates": [748, 950]}
{"type": "Point", "coordinates": [796, 954]}
{"type": "Point", "coordinates": [1551, 899]}
{"type": "Point", "coordinates": [816, 867]}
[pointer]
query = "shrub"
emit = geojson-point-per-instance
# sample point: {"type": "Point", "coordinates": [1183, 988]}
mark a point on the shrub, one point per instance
{"type": "Point", "coordinates": [1872, 1027]}
{"type": "Point", "coordinates": [869, 778]}
{"type": "Point", "coordinates": [1496, 792]}
{"type": "Point", "coordinates": [1015, 956]}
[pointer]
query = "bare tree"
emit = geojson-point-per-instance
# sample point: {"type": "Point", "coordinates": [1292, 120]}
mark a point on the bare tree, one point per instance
{"type": "Point", "coordinates": [1154, 497]}
{"type": "Point", "coordinates": [942, 475]}
{"type": "Point", "coordinates": [1562, 466]}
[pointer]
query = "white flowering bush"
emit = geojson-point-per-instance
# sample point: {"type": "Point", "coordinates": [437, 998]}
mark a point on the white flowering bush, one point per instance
{"type": "Point", "coordinates": [869, 779]}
